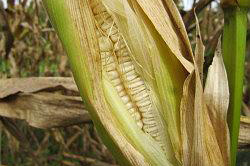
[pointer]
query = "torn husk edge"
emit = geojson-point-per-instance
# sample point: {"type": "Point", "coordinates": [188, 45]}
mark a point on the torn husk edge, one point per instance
{"type": "Point", "coordinates": [202, 113]}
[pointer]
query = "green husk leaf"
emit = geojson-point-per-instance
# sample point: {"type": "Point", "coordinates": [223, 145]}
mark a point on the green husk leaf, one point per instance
{"type": "Point", "coordinates": [144, 144]}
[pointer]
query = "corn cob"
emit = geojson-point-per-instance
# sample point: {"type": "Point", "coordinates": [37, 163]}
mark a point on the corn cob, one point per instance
{"type": "Point", "coordinates": [117, 62]}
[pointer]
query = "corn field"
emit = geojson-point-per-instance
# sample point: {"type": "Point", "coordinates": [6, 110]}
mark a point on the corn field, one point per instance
{"type": "Point", "coordinates": [130, 57]}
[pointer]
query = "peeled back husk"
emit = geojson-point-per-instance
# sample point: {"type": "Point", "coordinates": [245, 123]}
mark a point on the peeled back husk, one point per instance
{"type": "Point", "coordinates": [129, 76]}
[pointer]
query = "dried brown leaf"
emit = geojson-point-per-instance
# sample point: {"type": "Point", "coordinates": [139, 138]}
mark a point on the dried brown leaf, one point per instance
{"type": "Point", "coordinates": [199, 134]}
{"type": "Point", "coordinates": [34, 84]}
{"type": "Point", "coordinates": [27, 99]}
{"type": "Point", "coordinates": [246, 110]}
{"type": "Point", "coordinates": [187, 117]}
{"type": "Point", "coordinates": [216, 95]}
{"type": "Point", "coordinates": [244, 135]}
{"type": "Point", "coordinates": [165, 17]}
{"type": "Point", "coordinates": [45, 110]}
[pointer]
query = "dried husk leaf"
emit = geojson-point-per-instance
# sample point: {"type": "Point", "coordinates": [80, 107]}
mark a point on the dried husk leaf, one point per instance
{"type": "Point", "coordinates": [216, 95]}
{"type": "Point", "coordinates": [168, 23]}
{"type": "Point", "coordinates": [201, 139]}
{"type": "Point", "coordinates": [43, 102]}
{"type": "Point", "coordinates": [44, 109]}
{"type": "Point", "coordinates": [187, 118]}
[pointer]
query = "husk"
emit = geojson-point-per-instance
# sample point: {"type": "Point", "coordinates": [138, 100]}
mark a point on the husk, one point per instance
{"type": "Point", "coordinates": [202, 113]}
{"type": "Point", "coordinates": [216, 95]}
{"type": "Point", "coordinates": [168, 25]}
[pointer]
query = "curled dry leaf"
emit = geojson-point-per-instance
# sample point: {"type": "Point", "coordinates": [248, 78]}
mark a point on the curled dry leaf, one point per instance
{"type": "Point", "coordinates": [166, 19]}
{"type": "Point", "coordinates": [40, 102]}
{"type": "Point", "coordinates": [216, 95]}
{"type": "Point", "coordinates": [204, 126]}
{"type": "Point", "coordinates": [33, 84]}
{"type": "Point", "coordinates": [244, 135]}
{"type": "Point", "coordinates": [203, 113]}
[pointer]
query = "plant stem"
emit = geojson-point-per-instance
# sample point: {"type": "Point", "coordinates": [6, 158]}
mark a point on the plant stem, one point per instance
{"type": "Point", "coordinates": [234, 45]}
{"type": "Point", "coordinates": [245, 3]}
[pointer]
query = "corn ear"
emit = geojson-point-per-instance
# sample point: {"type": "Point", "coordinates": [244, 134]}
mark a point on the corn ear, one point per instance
{"type": "Point", "coordinates": [129, 75]}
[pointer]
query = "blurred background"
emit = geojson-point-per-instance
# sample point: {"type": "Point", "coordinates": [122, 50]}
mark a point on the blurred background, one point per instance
{"type": "Point", "coordinates": [29, 47]}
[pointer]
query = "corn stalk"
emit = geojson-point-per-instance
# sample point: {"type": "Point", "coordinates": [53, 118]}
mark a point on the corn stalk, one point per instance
{"type": "Point", "coordinates": [234, 46]}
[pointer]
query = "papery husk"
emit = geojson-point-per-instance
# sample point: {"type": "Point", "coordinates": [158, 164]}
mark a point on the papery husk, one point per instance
{"type": "Point", "coordinates": [202, 113]}
{"type": "Point", "coordinates": [216, 95]}
{"type": "Point", "coordinates": [168, 23]}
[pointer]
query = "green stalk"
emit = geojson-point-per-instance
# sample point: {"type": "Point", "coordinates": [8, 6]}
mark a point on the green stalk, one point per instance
{"type": "Point", "coordinates": [241, 3]}
{"type": "Point", "coordinates": [244, 3]}
{"type": "Point", "coordinates": [234, 45]}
